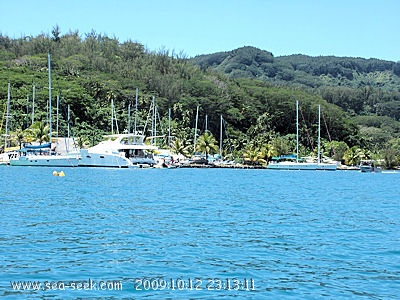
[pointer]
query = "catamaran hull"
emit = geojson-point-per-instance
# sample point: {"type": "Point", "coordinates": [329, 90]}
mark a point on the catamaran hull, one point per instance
{"type": "Point", "coordinates": [112, 160]}
{"type": "Point", "coordinates": [94, 160]}
{"type": "Point", "coordinates": [119, 151]}
{"type": "Point", "coordinates": [45, 161]}
{"type": "Point", "coordinates": [90, 159]}
{"type": "Point", "coordinates": [302, 166]}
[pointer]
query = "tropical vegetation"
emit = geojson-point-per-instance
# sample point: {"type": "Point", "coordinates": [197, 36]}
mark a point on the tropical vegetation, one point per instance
{"type": "Point", "coordinates": [207, 144]}
{"type": "Point", "coordinates": [254, 92]}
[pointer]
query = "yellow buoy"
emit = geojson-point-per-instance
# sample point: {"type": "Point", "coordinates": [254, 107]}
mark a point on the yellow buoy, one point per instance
{"type": "Point", "coordinates": [61, 173]}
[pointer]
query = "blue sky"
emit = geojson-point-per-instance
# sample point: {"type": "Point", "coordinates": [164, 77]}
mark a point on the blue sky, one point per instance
{"type": "Point", "coordinates": [357, 28]}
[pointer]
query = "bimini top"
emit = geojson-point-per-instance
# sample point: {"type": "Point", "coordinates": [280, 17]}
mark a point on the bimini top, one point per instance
{"type": "Point", "coordinates": [35, 147]}
{"type": "Point", "coordinates": [283, 157]}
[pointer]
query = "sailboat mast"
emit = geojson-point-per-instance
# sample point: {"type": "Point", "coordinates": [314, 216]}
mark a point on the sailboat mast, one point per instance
{"type": "Point", "coordinates": [68, 117]}
{"type": "Point", "coordinates": [319, 134]}
{"type": "Point", "coordinates": [7, 116]}
{"type": "Point", "coordinates": [27, 111]}
{"type": "Point", "coordinates": [50, 124]}
{"type": "Point", "coordinates": [220, 139]}
{"type": "Point", "coordinates": [297, 131]}
{"type": "Point", "coordinates": [153, 112]}
{"type": "Point", "coordinates": [58, 105]}
{"type": "Point", "coordinates": [136, 109]}
{"type": "Point", "coordinates": [116, 120]}
{"type": "Point", "coordinates": [33, 103]}
{"type": "Point", "coordinates": [112, 116]}
{"type": "Point", "coordinates": [169, 127]}
{"type": "Point", "coordinates": [155, 125]}
{"type": "Point", "coordinates": [129, 117]}
{"type": "Point", "coordinates": [195, 129]}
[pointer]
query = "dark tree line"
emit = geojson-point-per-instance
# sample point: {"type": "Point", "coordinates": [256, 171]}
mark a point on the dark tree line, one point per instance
{"type": "Point", "coordinates": [91, 70]}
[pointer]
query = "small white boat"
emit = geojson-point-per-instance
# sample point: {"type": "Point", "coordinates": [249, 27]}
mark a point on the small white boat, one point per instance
{"type": "Point", "coordinates": [369, 166]}
{"type": "Point", "coordinates": [118, 151]}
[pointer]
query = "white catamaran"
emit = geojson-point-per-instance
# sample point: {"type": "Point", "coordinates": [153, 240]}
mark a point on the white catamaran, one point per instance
{"type": "Point", "coordinates": [119, 150]}
{"type": "Point", "coordinates": [292, 162]}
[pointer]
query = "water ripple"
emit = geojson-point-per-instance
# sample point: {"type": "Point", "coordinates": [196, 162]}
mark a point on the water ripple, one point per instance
{"type": "Point", "coordinates": [296, 234]}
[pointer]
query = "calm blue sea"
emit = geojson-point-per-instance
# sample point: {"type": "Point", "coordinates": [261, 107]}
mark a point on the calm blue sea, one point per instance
{"type": "Point", "coordinates": [199, 234]}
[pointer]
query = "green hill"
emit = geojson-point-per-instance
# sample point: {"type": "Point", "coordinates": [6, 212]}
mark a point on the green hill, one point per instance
{"type": "Point", "coordinates": [258, 109]}
{"type": "Point", "coordinates": [358, 85]}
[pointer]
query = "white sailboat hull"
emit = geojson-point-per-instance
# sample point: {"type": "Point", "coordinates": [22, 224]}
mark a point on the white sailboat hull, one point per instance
{"type": "Point", "coordinates": [45, 161]}
{"type": "Point", "coordinates": [326, 167]}
{"type": "Point", "coordinates": [287, 165]}
{"type": "Point", "coordinates": [5, 157]}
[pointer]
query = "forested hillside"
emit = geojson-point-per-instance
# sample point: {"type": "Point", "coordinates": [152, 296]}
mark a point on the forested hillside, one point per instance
{"type": "Point", "coordinates": [90, 70]}
{"type": "Point", "coordinates": [367, 89]}
{"type": "Point", "coordinates": [360, 86]}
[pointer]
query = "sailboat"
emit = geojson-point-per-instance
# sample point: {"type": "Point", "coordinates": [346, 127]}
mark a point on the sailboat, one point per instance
{"type": "Point", "coordinates": [9, 152]}
{"type": "Point", "coordinates": [43, 155]}
{"type": "Point", "coordinates": [292, 162]}
{"type": "Point", "coordinates": [197, 158]}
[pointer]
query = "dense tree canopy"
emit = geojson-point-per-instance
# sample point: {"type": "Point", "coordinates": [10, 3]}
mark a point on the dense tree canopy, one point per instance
{"type": "Point", "coordinates": [257, 101]}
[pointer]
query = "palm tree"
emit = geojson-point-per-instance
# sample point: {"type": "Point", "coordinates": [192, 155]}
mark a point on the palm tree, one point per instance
{"type": "Point", "coordinates": [353, 155]}
{"type": "Point", "coordinates": [269, 151]}
{"type": "Point", "coordinates": [178, 147]}
{"type": "Point", "coordinates": [207, 144]}
{"type": "Point", "coordinates": [254, 156]}
{"type": "Point", "coordinates": [39, 132]}
{"type": "Point", "coordinates": [19, 136]}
